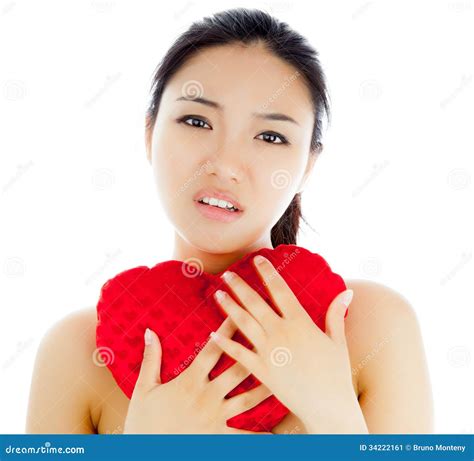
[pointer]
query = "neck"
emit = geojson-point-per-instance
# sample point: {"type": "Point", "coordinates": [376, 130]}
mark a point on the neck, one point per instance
{"type": "Point", "coordinates": [214, 263]}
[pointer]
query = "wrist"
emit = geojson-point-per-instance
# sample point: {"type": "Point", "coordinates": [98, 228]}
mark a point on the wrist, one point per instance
{"type": "Point", "coordinates": [348, 420]}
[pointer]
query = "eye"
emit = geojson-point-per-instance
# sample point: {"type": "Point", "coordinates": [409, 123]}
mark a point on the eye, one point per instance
{"type": "Point", "coordinates": [270, 137]}
{"type": "Point", "coordinates": [195, 121]}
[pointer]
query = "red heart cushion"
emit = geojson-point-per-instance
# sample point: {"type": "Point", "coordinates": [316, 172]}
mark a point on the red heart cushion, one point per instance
{"type": "Point", "coordinates": [175, 299]}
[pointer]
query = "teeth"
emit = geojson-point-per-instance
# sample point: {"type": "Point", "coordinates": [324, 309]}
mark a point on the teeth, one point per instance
{"type": "Point", "coordinates": [219, 203]}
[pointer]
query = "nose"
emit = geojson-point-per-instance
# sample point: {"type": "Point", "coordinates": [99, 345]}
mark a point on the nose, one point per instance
{"type": "Point", "coordinates": [226, 166]}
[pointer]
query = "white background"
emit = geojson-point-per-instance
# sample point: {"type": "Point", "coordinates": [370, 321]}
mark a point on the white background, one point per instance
{"type": "Point", "coordinates": [391, 198]}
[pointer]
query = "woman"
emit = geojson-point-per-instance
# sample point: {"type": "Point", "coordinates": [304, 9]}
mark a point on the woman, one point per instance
{"type": "Point", "coordinates": [232, 133]}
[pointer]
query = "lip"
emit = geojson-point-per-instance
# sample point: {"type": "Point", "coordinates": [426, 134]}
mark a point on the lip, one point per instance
{"type": "Point", "coordinates": [216, 213]}
{"type": "Point", "coordinates": [211, 192]}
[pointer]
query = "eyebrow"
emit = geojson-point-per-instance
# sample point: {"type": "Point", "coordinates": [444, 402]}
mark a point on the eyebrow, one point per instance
{"type": "Point", "coordinates": [206, 102]}
{"type": "Point", "coordinates": [262, 115]}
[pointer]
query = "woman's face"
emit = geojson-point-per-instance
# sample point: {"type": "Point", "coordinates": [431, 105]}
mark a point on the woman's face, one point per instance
{"type": "Point", "coordinates": [232, 144]}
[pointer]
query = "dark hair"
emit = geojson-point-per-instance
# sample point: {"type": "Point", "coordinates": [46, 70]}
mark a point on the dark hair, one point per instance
{"type": "Point", "coordinates": [247, 26]}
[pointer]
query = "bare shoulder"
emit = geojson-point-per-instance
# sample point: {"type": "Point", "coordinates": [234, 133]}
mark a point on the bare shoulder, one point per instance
{"type": "Point", "coordinates": [376, 313]}
{"type": "Point", "coordinates": [366, 291]}
{"type": "Point", "coordinates": [388, 357]}
{"type": "Point", "coordinates": [376, 305]}
{"type": "Point", "coordinates": [63, 386]}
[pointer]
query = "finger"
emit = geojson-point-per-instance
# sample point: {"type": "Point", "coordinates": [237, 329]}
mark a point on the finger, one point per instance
{"type": "Point", "coordinates": [233, 430]}
{"type": "Point", "coordinates": [251, 300]}
{"type": "Point", "coordinates": [335, 316]}
{"type": "Point", "coordinates": [229, 379]}
{"type": "Point", "coordinates": [247, 324]}
{"type": "Point", "coordinates": [280, 293]}
{"type": "Point", "coordinates": [149, 375]}
{"type": "Point", "coordinates": [238, 352]}
{"type": "Point", "coordinates": [247, 400]}
{"type": "Point", "coordinates": [205, 360]}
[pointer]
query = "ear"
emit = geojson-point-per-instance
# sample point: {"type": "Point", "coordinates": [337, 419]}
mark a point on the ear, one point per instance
{"type": "Point", "coordinates": [312, 157]}
{"type": "Point", "coordinates": [148, 136]}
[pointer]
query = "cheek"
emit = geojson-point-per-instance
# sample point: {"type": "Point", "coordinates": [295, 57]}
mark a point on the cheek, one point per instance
{"type": "Point", "coordinates": [276, 177]}
{"type": "Point", "coordinates": [176, 151]}
{"type": "Point", "coordinates": [169, 159]}
{"type": "Point", "coordinates": [277, 173]}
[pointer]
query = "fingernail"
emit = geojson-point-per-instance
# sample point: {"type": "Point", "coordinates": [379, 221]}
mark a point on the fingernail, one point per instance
{"type": "Point", "coordinates": [148, 337]}
{"type": "Point", "coordinates": [259, 259]}
{"type": "Point", "coordinates": [346, 298]}
{"type": "Point", "coordinates": [220, 295]}
{"type": "Point", "coordinates": [215, 336]}
{"type": "Point", "coordinates": [227, 275]}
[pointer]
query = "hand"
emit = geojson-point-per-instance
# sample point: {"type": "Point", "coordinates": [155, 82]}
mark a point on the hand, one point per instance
{"type": "Point", "coordinates": [189, 403]}
{"type": "Point", "coordinates": [307, 370]}
{"type": "Point", "coordinates": [290, 424]}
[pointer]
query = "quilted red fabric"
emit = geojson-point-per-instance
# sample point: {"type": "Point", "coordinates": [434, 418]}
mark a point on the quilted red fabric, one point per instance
{"type": "Point", "coordinates": [175, 299]}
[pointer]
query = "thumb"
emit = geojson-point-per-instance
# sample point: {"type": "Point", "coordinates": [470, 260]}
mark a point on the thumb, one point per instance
{"type": "Point", "coordinates": [150, 369]}
{"type": "Point", "coordinates": [336, 314]}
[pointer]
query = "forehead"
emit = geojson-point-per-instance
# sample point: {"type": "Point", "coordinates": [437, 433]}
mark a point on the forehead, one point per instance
{"type": "Point", "coordinates": [243, 77]}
